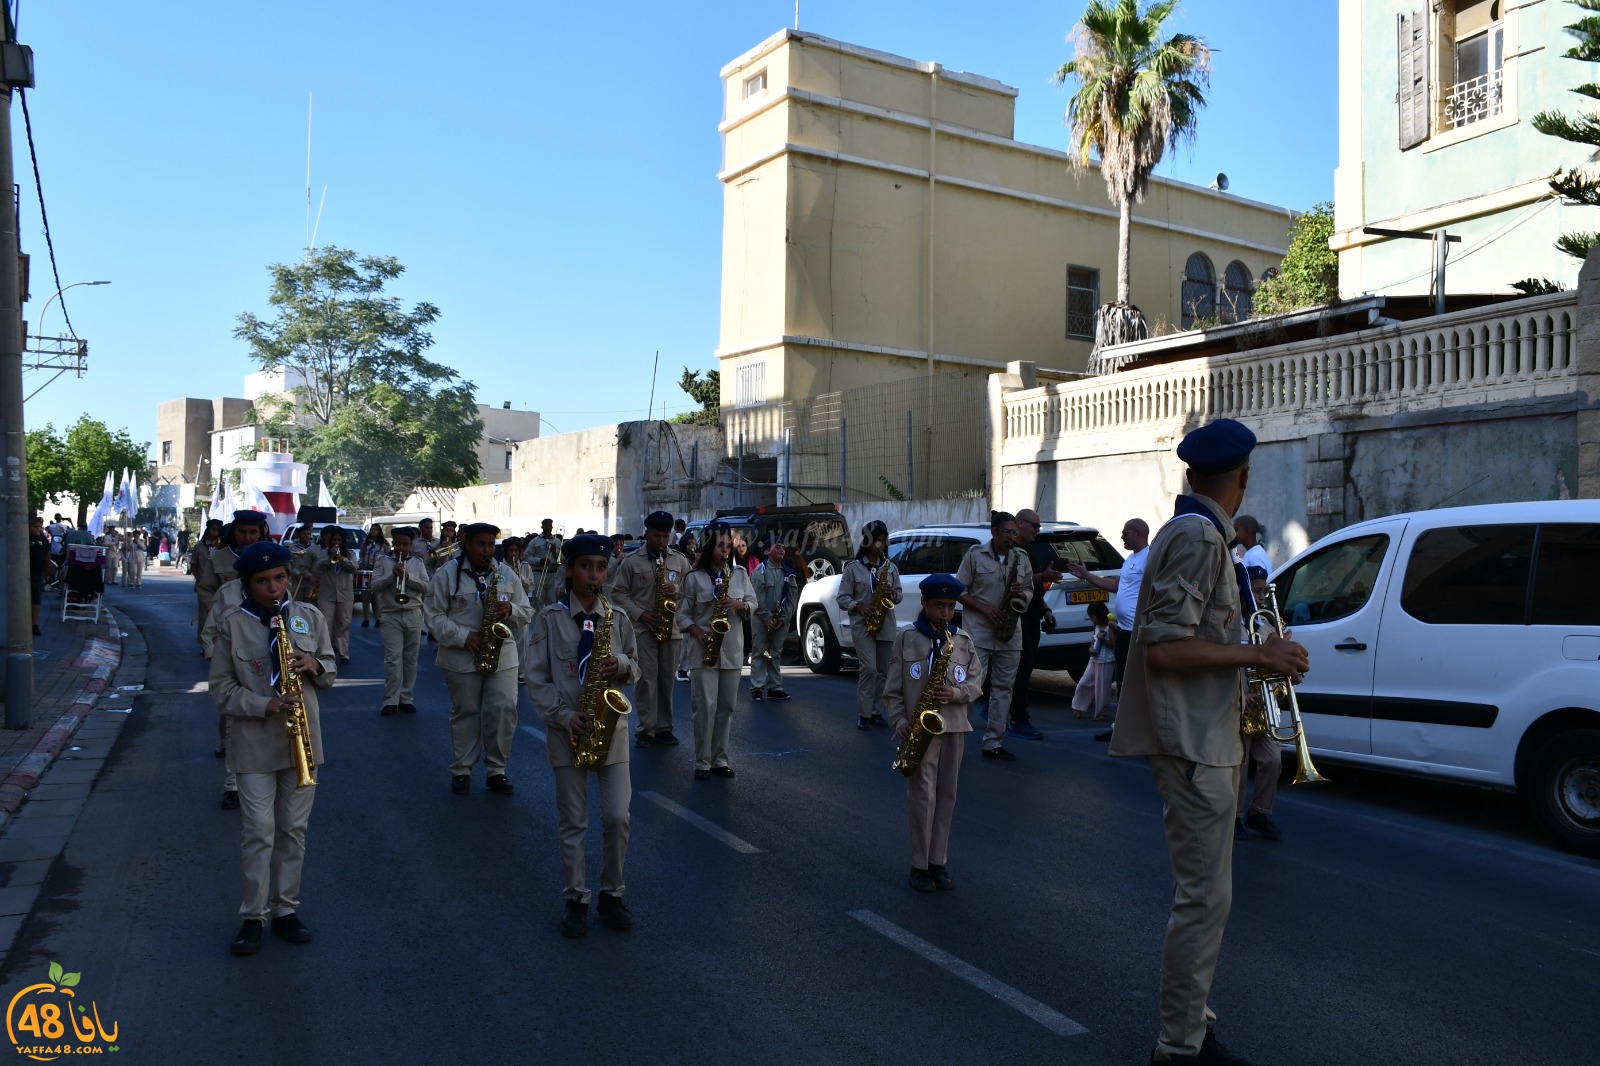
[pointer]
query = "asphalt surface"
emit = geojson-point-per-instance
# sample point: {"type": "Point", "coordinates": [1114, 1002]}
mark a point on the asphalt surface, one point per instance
{"type": "Point", "coordinates": [1398, 922]}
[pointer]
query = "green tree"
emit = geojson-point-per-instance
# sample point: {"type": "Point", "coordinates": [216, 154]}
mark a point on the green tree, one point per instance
{"type": "Point", "coordinates": [1310, 271]}
{"type": "Point", "coordinates": [1575, 185]}
{"type": "Point", "coordinates": [90, 449]}
{"type": "Point", "coordinates": [707, 392]}
{"type": "Point", "coordinates": [371, 413]}
{"type": "Point", "coordinates": [47, 466]}
{"type": "Point", "coordinates": [1139, 94]}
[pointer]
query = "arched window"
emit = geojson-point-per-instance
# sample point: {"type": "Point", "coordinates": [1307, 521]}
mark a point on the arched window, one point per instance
{"type": "Point", "coordinates": [1236, 289]}
{"type": "Point", "coordinates": [1199, 290]}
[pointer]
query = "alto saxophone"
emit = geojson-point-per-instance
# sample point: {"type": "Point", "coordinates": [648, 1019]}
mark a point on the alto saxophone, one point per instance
{"type": "Point", "coordinates": [604, 705]}
{"type": "Point", "coordinates": [1011, 607]}
{"type": "Point", "coordinates": [881, 603]}
{"type": "Point", "coordinates": [666, 608]}
{"type": "Point", "coordinates": [296, 724]}
{"type": "Point", "coordinates": [926, 722]}
{"type": "Point", "coordinates": [492, 633]}
{"type": "Point", "coordinates": [719, 620]}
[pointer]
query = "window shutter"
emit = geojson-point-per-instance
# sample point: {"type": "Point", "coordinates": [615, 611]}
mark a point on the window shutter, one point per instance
{"type": "Point", "coordinates": [1413, 95]}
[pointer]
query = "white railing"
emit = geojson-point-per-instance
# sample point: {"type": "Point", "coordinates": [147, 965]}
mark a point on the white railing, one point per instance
{"type": "Point", "coordinates": [1474, 100]}
{"type": "Point", "coordinates": [1505, 351]}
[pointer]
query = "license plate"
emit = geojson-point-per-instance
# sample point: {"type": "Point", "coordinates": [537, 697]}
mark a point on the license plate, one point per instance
{"type": "Point", "coordinates": [1088, 596]}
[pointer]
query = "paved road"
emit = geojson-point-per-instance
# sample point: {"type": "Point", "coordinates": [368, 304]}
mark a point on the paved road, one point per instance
{"type": "Point", "coordinates": [1398, 922]}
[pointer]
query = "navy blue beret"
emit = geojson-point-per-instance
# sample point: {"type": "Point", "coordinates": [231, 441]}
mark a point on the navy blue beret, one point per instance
{"type": "Point", "coordinates": [262, 555]}
{"type": "Point", "coordinates": [1217, 447]}
{"type": "Point", "coordinates": [658, 520]}
{"type": "Point", "coordinates": [586, 544]}
{"type": "Point", "coordinates": [249, 518]}
{"type": "Point", "coordinates": [1256, 573]}
{"type": "Point", "coordinates": [942, 586]}
{"type": "Point", "coordinates": [474, 529]}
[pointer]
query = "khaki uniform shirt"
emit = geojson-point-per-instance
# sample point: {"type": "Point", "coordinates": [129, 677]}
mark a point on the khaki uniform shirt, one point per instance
{"type": "Point", "coordinates": [452, 611]}
{"type": "Point", "coordinates": [218, 570]}
{"type": "Point", "coordinates": [333, 586]}
{"type": "Point", "coordinates": [909, 664]}
{"type": "Point", "coordinates": [385, 583]}
{"type": "Point", "coordinates": [241, 686]}
{"type": "Point", "coordinates": [546, 580]}
{"type": "Point", "coordinates": [302, 578]}
{"type": "Point", "coordinates": [552, 675]}
{"type": "Point", "coordinates": [984, 574]}
{"type": "Point", "coordinates": [200, 570]}
{"type": "Point", "coordinates": [226, 598]}
{"type": "Point", "coordinates": [635, 590]}
{"type": "Point", "coordinates": [697, 604]}
{"type": "Point", "coordinates": [1189, 590]}
{"type": "Point", "coordinates": [855, 591]}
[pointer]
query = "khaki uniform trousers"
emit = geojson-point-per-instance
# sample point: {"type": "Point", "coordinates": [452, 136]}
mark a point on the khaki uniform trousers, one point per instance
{"type": "Point", "coordinates": [272, 848]}
{"type": "Point", "coordinates": [483, 718]}
{"type": "Point", "coordinates": [133, 568]}
{"type": "Point", "coordinates": [765, 672]}
{"type": "Point", "coordinates": [205, 599]}
{"type": "Point", "coordinates": [338, 615]}
{"type": "Point", "coordinates": [572, 810]}
{"type": "Point", "coordinates": [931, 800]}
{"type": "Point", "coordinates": [1197, 813]}
{"type": "Point", "coordinates": [872, 659]}
{"type": "Point", "coordinates": [713, 694]}
{"type": "Point", "coordinates": [402, 644]}
{"type": "Point", "coordinates": [1267, 755]}
{"type": "Point", "coordinates": [652, 694]}
{"type": "Point", "coordinates": [1000, 667]}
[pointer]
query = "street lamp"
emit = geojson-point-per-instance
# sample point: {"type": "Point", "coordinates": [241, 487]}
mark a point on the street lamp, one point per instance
{"type": "Point", "coordinates": [57, 295]}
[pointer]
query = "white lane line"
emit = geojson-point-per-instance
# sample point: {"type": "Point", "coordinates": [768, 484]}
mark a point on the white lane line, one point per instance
{"type": "Point", "coordinates": [743, 847]}
{"type": "Point", "coordinates": [532, 731]}
{"type": "Point", "coordinates": [1050, 1018]}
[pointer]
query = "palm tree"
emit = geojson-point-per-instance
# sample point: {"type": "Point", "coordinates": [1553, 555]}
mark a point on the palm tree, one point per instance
{"type": "Point", "coordinates": [1138, 96]}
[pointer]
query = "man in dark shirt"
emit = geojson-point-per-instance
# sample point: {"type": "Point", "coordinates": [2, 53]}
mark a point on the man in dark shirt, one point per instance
{"type": "Point", "coordinates": [39, 564]}
{"type": "Point", "coordinates": [1037, 616]}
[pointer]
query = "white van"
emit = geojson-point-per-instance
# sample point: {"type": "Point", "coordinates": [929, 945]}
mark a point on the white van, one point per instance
{"type": "Point", "coordinates": [1461, 643]}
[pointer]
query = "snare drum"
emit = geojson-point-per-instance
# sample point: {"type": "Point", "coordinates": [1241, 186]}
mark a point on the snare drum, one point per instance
{"type": "Point", "coordinates": [363, 582]}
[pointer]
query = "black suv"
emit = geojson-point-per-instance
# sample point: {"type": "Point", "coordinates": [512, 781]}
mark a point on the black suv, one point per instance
{"type": "Point", "coordinates": [818, 532]}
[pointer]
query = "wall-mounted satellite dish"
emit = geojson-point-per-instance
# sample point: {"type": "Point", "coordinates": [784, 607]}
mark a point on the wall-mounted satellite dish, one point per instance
{"type": "Point", "coordinates": [1221, 184]}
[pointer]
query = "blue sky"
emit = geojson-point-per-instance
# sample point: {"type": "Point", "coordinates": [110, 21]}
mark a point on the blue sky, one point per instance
{"type": "Point", "coordinates": [546, 172]}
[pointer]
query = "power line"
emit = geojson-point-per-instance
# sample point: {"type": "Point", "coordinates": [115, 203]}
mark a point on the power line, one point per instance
{"type": "Point", "coordinates": [38, 187]}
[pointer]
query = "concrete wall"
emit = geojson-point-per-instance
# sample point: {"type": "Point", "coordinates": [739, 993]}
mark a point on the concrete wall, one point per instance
{"type": "Point", "coordinates": [502, 425]}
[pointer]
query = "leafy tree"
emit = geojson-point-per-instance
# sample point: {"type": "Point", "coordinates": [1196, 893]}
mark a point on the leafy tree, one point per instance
{"type": "Point", "coordinates": [1310, 271]}
{"type": "Point", "coordinates": [372, 413]}
{"type": "Point", "coordinates": [1575, 185]}
{"type": "Point", "coordinates": [707, 392]}
{"type": "Point", "coordinates": [47, 466]}
{"type": "Point", "coordinates": [77, 464]}
{"type": "Point", "coordinates": [1138, 95]}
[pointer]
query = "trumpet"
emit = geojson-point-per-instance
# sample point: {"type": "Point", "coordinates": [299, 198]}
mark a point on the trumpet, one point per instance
{"type": "Point", "coordinates": [400, 595]}
{"type": "Point", "coordinates": [443, 553]}
{"type": "Point", "coordinates": [1274, 692]}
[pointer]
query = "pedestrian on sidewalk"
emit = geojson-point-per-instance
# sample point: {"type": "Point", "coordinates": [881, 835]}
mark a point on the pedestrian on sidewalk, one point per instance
{"type": "Point", "coordinates": [40, 566]}
{"type": "Point", "coordinates": [858, 587]}
{"type": "Point", "coordinates": [1124, 589]}
{"type": "Point", "coordinates": [248, 689]}
{"type": "Point", "coordinates": [777, 588]}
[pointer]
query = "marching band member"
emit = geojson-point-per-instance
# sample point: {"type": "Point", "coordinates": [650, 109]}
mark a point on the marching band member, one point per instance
{"type": "Point", "coordinates": [635, 593]}
{"type": "Point", "coordinates": [989, 597]}
{"type": "Point", "coordinates": [931, 790]}
{"type": "Point", "coordinates": [558, 666]}
{"type": "Point", "coordinates": [302, 561]}
{"type": "Point", "coordinates": [335, 568]}
{"type": "Point", "coordinates": [715, 688]}
{"type": "Point", "coordinates": [400, 621]}
{"type": "Point", "coordinates": [857, 587]}
{"type": "Point", "coordinates": [245, 686]}
{"type": "Point", "coordinates": [247, 528]}
{"type": "Point", "coordinates": [458, 610]}
{"type": "Point", "coordinates": [375, 547]}
{"type": "Point", "coordinates": [133, 559]}
{"type": "Point", "coordinates": [424, 544]}
{"type": "Point", "coordinates": [777, 588]}
{"type": "Point", "coordinates": [112, 543]}
{"type": "Point", "coordinates": [200, 570]}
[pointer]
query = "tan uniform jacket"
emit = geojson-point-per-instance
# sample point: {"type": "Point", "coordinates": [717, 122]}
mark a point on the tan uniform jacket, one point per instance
{"type": "Point", "coordinates": [909, 664]}
{"type": "Point", "coordinates": [241, 686]}
{"type": "Point", "coordinates": [336, 577]}
{"type": "Point", "coordinates": [1189, 590]}
{"type": "Point", "coordinates": [451, 611]}
{"type": "Point", "coordinates": [200, 569]}
{"type": "Point", "coordinates": [302, 573]}
{"type": "Point", "coordinates": [218, 571]}
{"type": "Point", "coordinates": [552, 675]}
{"type": "Point", "coordinates": [229, 596]}
{"type": "Point", "coordinates": [855, 590]}
{"type": "Point", "coordinates": [635, 590]}
{"type": "Point", "coordinates": [546, 579]}
{"type": "Point", "coordinates": [697, 604]}
{"type": "Point", "coordinates": [984, 574]}
{"type": "Point", "coordinates": [385, 583]}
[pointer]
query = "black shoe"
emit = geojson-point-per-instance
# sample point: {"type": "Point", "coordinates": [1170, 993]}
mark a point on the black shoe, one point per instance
{"type": "Point", "coordinates": [723, 771]}
{"type": "Point", "coordinates": [614, 913]}
{"type": "Point", "coordinates": [289, 927]}
{"type": "Point", "coordinates": [644, 740]}
{"type": "Point", "coordinates": [879, 721]}
{"type": "Point", "coordinates": [862, 723]}
{"type": "Point", "coordinates": [220, 752]}
{"type": "Point", "coordinates": [999, 753]}
{"type": "Point", "coordinates": [500, 783]}
{"type": "Point", "coordinates": [230, 800]}
{"type": "Point", "coordinates": [408, 708]}
{"type": "Point", "coordinates": [363, 623]}
{"type": "Point", "coordinates": [1264, 825]}
{"type": "Point", "coordinates": [391, 709]}
{"type": "Point", "coordinates": [1103, 736]}
{"type": "Point", "coordinates": [461, 784]}
{"type": "Point", "coordinates": [701, 775]}
{"type": "Point", "coordinates": [575, 922]}
{"type": "Point", "coordinates": [38, 632]}
{"type": "Point", "coordinates": [666, 739]}
{"type": "Point", "coordinates": [344, 659]}
{"type": "Point", "coordinates": [921, 880]}
{"type": "Point", "coordinates": [1239, 832]}
{"type": "Point", "coordinates": [777, 694]}
{"type": "Point", "coordinates": [248, 940]}
{"type": "Point", "coordinates": [941, 878]}
{"type": "Point", "coordinates": [755, 695]}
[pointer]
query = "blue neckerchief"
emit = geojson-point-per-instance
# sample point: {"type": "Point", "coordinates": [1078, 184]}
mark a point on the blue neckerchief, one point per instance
{"type": "Point", "coordinates": [271, 619]}
{"type": "Point", "coordinates": [926, 628]}
{"type": "Point", "coordinates": [264, 615]}
{"type": "Point", "coordinates": [587, 622]}
{"type": "Point", "coordinates": [1190, 505]}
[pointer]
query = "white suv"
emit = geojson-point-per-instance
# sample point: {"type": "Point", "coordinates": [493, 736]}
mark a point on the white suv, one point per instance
{"type": "Point", "coordinates": [825, 635]}
{"type": "Point", "coordinates": [1461, 643]}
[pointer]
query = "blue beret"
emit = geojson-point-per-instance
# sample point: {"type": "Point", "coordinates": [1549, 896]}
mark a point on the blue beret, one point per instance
{"type": "Point", "coordinates": [943, 586]}
{"type": "Point", "coordinates": [587, 544]}
{"type": "Point", "coordinates": [1217, 447]}
{"type": "Point", "coordinates": [249, 518]}
{"type": "Point", "coordinates": [1256, 573]}
{"type": "Point", "coordinates": [658, 520]}
{"type": "Point", "coordinates": [262, 555]}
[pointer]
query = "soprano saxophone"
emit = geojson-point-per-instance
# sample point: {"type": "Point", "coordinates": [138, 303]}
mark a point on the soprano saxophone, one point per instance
{"type": "Point", "coordinates": [296, 724]}
{"type": "Point", "coordinates": [492, 633]}
{"type": "Point", "coordinates": [926, 722]}
{"type": "Point", "coordinates": [604, 705]}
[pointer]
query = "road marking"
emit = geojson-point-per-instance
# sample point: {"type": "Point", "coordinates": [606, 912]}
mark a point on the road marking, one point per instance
{"type": "Point", "coordinates": [532, 731]}
{"type": "Point", "coordinates": [1051, 1019]}
{"type": "Point", "coordinates": [743, 847]}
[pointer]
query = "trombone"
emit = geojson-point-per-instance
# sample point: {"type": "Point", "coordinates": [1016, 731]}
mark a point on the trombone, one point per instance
{"type": "Point", "coordinates": [1276, 691]}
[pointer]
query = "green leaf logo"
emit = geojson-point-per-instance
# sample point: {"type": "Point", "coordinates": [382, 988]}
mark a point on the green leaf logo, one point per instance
{"type": "Point", "coordinates": [55, 972]}
{"type": "Point", "coordinates": [70, 979]}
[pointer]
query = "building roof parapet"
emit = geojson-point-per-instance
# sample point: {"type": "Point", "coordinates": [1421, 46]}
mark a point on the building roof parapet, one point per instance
{"type": "Point", "coordinates": [784, 36]}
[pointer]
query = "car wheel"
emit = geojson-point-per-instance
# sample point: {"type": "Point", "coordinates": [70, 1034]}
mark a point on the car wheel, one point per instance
{"type": "Point", "coordinates": [1564, 789]}
{"type": "Point", "coordinates": [822, 565]}
{"type": "Point", "coordinates": [821, 651]}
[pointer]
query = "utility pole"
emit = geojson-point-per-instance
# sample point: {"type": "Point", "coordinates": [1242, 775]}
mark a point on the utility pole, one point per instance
{"type": "Point", "coordinates": [16, 72]}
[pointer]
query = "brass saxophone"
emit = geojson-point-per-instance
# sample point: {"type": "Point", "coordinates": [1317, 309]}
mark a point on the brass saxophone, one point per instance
{"type": "Point", "coordinates": [925, 720]}
{"type": "Point", "coordinates": [881, 603]}
{"type": "Point", "coordinates": [492, 633]}
{"type": "Point", "coordinates": [1011, 607]}
{"type": "Point", "coordinates": [666, 608]}
{"type": "Point", "coordinates": [719, 620]}
{"type": "Point", "coordinates": [296, 724]}
{"type": "Point", "coordinates": [604, 705]}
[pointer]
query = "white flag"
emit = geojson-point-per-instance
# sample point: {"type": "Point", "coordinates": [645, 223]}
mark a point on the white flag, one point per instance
{"type": "Point", "coordinates": [254, 498]}
{"type": "Point", "coordinates": [324, 497]}
{"type": "Point", "coordinates": [102, 510]}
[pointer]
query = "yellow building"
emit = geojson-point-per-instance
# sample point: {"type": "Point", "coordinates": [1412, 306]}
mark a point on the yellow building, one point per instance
{"type": "Point", "coordinates": [880, 223]}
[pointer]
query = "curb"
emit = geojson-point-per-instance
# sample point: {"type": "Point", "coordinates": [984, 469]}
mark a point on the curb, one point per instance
{"type": "Point", "coordinates": [102, 653]}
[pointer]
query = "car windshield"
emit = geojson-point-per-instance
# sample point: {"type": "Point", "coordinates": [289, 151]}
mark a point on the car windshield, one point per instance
{"type": "Point", "coordinates": [1090, 549]}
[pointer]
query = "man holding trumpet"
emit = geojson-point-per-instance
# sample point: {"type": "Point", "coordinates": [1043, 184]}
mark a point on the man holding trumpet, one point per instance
{"type": "Point", "coordinates": [399, 581]}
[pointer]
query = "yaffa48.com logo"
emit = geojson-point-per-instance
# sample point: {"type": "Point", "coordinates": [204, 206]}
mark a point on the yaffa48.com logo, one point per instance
{"type": "Point", "coordinates": [46, 1020]}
